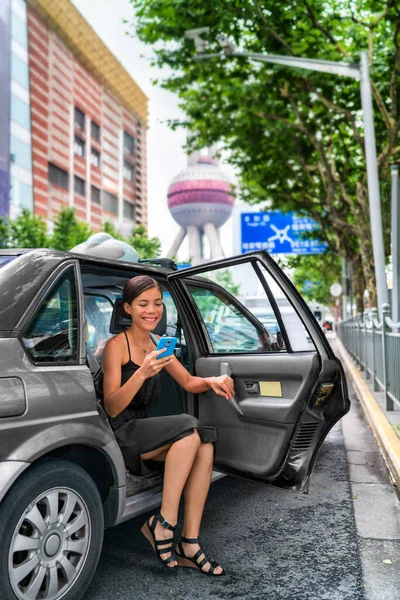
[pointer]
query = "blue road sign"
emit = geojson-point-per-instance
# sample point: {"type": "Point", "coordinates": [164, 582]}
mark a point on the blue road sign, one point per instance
{"type": "Point", "coordinates": [278, 233]}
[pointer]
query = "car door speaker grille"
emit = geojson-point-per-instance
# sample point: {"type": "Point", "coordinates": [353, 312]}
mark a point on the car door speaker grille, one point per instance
{"type": "Point", "coordinates": [305, 436]}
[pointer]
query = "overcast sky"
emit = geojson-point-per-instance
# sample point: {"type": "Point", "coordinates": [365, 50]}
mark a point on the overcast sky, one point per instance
{"type": "Point", "coordinates": [165, 155]}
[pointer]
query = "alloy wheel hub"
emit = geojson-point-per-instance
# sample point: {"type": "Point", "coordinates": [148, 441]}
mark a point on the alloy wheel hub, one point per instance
{"type": "Point", "coordinates": [49, 546]}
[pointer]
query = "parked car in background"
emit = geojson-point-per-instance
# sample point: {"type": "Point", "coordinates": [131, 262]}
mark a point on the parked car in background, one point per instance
{"type": "Point", "coordinates": [62, 475]}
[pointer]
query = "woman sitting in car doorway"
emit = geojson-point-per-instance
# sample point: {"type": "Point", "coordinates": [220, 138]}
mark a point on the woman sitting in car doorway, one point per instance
{"type": "Point", "coordinates": [131, 384]}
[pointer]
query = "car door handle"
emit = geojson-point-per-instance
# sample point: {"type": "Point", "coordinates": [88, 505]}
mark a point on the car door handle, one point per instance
{"type": "Point", "coordinates": [225, 369]}
{"type": "Point", "coordinates": [252, 387]}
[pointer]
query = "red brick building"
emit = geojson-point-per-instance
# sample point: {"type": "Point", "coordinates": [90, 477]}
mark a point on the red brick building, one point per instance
{"type": "Point", "coordinates": [88, 122]}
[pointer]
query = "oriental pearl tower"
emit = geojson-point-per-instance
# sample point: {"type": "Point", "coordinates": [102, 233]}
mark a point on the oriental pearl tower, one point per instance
{"type": "Point", "coordinates": [200, 199]}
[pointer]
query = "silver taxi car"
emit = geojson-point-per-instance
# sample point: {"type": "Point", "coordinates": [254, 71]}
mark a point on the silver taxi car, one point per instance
{"type": "Point", "coordinates": [62, 475]}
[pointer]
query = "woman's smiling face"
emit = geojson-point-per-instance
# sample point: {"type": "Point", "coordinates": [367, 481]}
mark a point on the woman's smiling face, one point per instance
{"type": "Point", "coordinates": [146, 310]}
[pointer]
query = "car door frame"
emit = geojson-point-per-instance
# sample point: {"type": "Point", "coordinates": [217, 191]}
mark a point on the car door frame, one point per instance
{"type": "Point", "coordinates": [321, 344]}
{"type": "Point", "coordinates": [201, 347]}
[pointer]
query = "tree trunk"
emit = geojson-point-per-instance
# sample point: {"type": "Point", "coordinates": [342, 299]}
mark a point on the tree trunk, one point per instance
{"type": "Point", "coordinates": [358, 282]}
{"type": "Point", "coordinates": [368, 266]}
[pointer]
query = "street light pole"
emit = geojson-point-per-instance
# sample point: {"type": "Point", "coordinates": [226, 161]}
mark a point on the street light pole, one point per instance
{"type": "Point", "coordinates": [358, 71]}
{"type": "Point", "coordinates": [395, 244]}
{"type": "Point", "coordinates": [375, 213]}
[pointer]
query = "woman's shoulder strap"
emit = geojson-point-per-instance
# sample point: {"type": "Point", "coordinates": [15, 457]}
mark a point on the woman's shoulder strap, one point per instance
{"type": "Point", "coordinates": [127, 343]}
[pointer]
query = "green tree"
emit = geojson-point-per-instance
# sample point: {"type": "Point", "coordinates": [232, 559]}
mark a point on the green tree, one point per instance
{"type": "Point", "coordinates": [314, 274]}
{"type": "Point", "coordinates": [68, 230]}
{"type": "Point", "coordinates": [147, 247]}
{"type": "Point", "coordinates": [111, 230]}
{"type": "Point", "coordinates": [224, 278]}
{"type": "Point", "coordinates": [295, 136]}
{"type": "Point", "coordinates": [4, 232]}
{"type": "Point", "coordinates": [28, 231]}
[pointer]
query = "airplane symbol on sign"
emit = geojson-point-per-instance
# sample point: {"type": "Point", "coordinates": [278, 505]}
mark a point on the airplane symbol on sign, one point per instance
{"type": "Point", "coordinates": [281, 235]}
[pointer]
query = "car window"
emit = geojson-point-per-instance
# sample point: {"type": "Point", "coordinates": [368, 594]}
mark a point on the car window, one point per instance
{"type": "Point", "coordinates": [172, 314]}
{"type": "Point", "coordinates": [52, 335]}
{"type": "Point", "coordinates": [98, 310]}
{"type": "Point", "coordinates": [228, 329]}
{"type": "Point", "coordinates": [298, 335]}
{"type": "Point", "coordinates": [235, 320]}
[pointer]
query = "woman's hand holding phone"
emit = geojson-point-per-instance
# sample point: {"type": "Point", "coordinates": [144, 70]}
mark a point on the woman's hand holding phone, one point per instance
{"type": "Point", "coordinates": [167, 344]}
{"type": "Point", "coordinates": [153, 363]}
{"type": "Point", "coordinates": [161, 357]}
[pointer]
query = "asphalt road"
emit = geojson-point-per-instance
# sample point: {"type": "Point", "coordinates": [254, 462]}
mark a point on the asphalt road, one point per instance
{"type": "Point", "coordinates": [274, 544]}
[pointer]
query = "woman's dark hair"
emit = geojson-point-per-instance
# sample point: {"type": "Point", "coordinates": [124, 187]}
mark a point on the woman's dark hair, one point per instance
{"type": "Point", "coordinates": [138, 285]}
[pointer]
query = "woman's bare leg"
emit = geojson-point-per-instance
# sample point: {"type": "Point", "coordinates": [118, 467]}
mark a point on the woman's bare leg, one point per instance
{"type": "Point", "coordinates": [179, 459]}
{"type": "Point", "coordinates": [195, 494]}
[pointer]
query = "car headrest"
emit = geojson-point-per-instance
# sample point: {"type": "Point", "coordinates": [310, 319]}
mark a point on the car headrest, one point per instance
{"type": "Point", "coordinates": [121, 321]}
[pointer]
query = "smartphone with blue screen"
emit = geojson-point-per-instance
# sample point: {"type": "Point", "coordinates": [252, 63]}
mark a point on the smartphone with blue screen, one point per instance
{"type": "Point", "coordinates": [168, 343]}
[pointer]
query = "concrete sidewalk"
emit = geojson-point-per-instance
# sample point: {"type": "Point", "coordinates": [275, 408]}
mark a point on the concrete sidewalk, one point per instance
{"type": "Point", "coordinates": [375, 499]}
{"type": "Point", "coordinates": [376, 507]}
{"type": "Point", "coordinates": [382, 422]}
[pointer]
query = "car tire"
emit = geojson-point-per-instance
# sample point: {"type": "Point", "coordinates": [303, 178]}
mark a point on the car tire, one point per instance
{"type": "Point", "coordinates": [51, 532]}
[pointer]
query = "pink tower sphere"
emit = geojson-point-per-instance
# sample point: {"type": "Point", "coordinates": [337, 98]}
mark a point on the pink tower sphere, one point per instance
{"type": "Point", "coordinates": [201, 194]}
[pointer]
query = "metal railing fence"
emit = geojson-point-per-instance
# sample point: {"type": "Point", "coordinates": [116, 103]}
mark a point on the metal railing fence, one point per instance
{"type": "Point", "coordinates": [375, 347]}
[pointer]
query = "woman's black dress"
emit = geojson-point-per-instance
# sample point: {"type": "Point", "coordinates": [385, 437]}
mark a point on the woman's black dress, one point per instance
{"type": "Point", "coordinates": [136, 433]}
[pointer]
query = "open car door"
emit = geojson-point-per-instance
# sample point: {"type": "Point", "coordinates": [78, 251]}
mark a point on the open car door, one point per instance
{"type": "Point", "coordinates": [246, 319]}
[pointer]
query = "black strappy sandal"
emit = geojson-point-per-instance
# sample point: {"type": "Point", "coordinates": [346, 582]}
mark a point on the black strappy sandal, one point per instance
{"type": "Point", "coordinates": [160, 546]}
{"type": "Point", "coordinates": [194, 561]}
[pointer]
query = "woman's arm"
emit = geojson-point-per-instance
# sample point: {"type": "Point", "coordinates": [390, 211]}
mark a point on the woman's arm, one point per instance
{"type": "Point", "coordinates": [117, 397]}
{"type": "Point", "coordinates": [223, 385]}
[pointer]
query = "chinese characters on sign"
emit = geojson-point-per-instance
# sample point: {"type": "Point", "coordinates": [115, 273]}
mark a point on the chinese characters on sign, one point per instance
{"type": "Point", "coordinates": [279, 233]}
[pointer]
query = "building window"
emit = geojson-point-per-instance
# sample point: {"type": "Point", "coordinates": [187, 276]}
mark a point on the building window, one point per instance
{"type": "Point", "coordinates": [128, 143]}
{"type": "Point", "coordinates": [95, 131]}
{"type": "Point", "coordinates": [95, 194]}
{"type": "Point", "coordinates": [79, 147]}
{"type": "Point", "coordinates": [20, 112]}
{"type": "Point", "coordinates": [58, 177]}
{"type": "Point", "coordinates": [129, 211]}
{"type": "Point", "coordinates": [95, 158]}
{"type": "Point", "coordinates": [79, 186]}
{"type": "Point", "coordinates": [110, 202]}
{"type": "Point", "coordinates": [20, 71]}
{"type": "Point", "coordinates": [79, 119]}
{"type": "Point", "coordinates": [128, 171]}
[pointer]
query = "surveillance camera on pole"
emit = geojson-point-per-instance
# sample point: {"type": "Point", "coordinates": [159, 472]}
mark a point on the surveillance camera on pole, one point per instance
{"type": "Point", "coordinates": [226, 45]}
{"type": "Point", "coordinates": [195, 35]}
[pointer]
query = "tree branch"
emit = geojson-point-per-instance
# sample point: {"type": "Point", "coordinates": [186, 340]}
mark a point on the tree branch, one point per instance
{"type": "Point", "coordinates": [271, 31]}
{"type": "Point", "coordinates": [280, 119]}
{"type": "Point", "coordinates": [325, 31]}
{"type": "Point", "coordinates": [340, 111]}
{"type": "Point", "coordinates": [389, 5]}
{"type": "Point", "coordinates": [381, 105]}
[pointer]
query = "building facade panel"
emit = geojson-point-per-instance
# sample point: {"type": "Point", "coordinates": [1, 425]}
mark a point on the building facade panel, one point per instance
{"type": "Point", "coordinates": [77, 120]}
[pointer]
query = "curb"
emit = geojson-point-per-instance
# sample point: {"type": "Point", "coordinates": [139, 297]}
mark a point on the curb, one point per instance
{"type": "Point", "coordinates": [382, 429]}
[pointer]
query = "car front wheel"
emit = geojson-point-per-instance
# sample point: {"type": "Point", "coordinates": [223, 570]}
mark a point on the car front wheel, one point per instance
{"type": "Point", "coordinates": [51, 532]}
